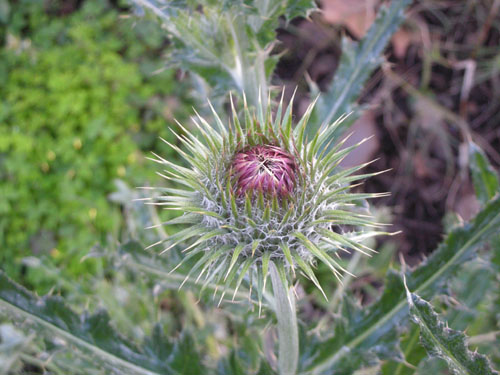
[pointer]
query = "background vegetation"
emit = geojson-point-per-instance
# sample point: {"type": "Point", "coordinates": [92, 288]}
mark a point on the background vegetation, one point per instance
{"type": "Point", "coordinates": [80, 106]}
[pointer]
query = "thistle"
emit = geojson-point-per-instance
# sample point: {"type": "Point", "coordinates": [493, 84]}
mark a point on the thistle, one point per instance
{"type": "Point", "coordinates": [259, 194]}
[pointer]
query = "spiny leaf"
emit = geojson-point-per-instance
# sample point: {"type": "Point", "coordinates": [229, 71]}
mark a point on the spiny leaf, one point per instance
{"type": "Point", "coordinates": [248, 206]}
{"type": "Point", "coordinates": [357, 62]}
{"type": "Point", "coordinates": [189, 218]}
{"type": "Point", "coordinates": [205, 237]}
{"type": "Point", "coordinates": [184, 359]}
{"type": "Point", "coordinates": [234, 257]}
{"type": "Point", "coordinates": [243, 272]}
{"type": "Point", "coordinates": [308, 272]}
{"type": "Point", "coordinates": [245, 359]}
{"type": "Point", "coordinates": [90, 333]}
{"type": "Point", "coordinates": [320, 254]}
{"type": "Point", "coordinates": [413, 354]}
{"type": "Point", "coordinates": [255, 245]}
{"type": "Point", "coordinates": [288, 256]}
{"type": "Point", "coordinates": [265, 267]}
{"type": "Point", "coordinates": [132, 256]}
{"type": "Point", "coordinates": [444, 342]}
{"type": "Point", "coordinates": [12, 345]}
{"type": "Point", "coordinates": [484, 176]}
{"type": "Point", "coordinates": [205, 261]}
{"type": "Point", "coordinates": [370, 326]}
{"type": "Point", "coordinates": [229, 280]}
{"type": "Point", "coordinates": [181, 236]}
{"type": "Point", "coordinates": [213, 45]}
{"type": "Point", "coordinates": [347, 242]}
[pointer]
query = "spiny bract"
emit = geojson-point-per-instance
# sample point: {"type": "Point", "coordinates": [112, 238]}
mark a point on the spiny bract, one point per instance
{"type": "Point", "coordinates": [259, 192]}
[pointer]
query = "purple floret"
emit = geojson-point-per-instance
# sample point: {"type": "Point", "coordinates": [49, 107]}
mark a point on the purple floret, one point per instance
{"type": "Point", "coordinates": [264, 168]}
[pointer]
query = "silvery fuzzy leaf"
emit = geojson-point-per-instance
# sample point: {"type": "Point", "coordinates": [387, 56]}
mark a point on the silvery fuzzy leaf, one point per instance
{"type": "Point", "coordinates": [94, 335]}
{"type": "Point", "coordinates": [226, 43]}
{"type": "Point", "coordinates": [357, 62]}
{"type": "Point", "coordinates": [391, 309]}
{"type": "Point", "coordinates": [361, 336]}
{"type": "Point", "coordinates": [132, 256]}
{"type": "Point", "coordinates": [484, 176]}
{"type": "Point", "coordinates": [441, 341]}
{"type": "Point", "coordinates": [12, 343]}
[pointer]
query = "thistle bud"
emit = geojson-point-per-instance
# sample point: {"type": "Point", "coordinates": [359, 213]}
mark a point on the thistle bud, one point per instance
{"type": "Point", "coordinates": [259, 193]}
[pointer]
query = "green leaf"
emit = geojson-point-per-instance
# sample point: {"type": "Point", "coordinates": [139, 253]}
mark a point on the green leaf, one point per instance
{"type": "Point", "coordinates": [234, 258]}
{"type": "Point", "coordinates": [446, 343]}
{"type": "Point", "coordinates": [245, 358]}
{"type": "Point", "coordinates": [12, 343]}
{"type": "Point", "coordinates": [413, 354]}
{"type": "Point", "coordinates": [357, 62]}
{"type": "Point", "coordinates": [92, 334]}
{"type": "Point", "coordinates": [133, 256]}
{"type": "Point", "coordinates": [484, 176]}
{"type": "Point", "coordinates": [185, 359]}
{"type": "Point", "coordinates": [371, 327]}
{"type": "Point", "coordinates": [360, 336]}
{"type": "Point", "coordinates": [320, 254]}
{"type": "Point", "coordinates": [19, 352]}
{"type": "Point", "coordinates": [227, 45]}
{"type": "Point", "coordinates": [308, 271]}
{"type": "Point", "coordinates": [4, 11]}
{"type": "Point", "coordinates": [496, 252]}
{"type": "Point", "coordinates": [297, 8]}
{"type": "Point", "coordinates": [479, 274]}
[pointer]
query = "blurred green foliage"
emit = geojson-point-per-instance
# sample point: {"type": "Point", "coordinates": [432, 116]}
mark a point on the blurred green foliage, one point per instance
{"type": "Point", "coordinates": [78, 106]}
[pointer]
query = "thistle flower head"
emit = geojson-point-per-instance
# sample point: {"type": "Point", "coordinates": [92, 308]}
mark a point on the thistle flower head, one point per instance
{"type": "Point", "coordinates": [264, 168]}
{"type": "Point", "coordinates": [258, 192]}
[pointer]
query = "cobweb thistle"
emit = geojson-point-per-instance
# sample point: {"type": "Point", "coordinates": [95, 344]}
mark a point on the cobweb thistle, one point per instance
{"type": "Point", "coordinates": [259, 192]}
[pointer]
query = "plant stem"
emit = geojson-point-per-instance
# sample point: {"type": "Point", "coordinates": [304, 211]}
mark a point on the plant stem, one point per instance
{"type": "Point", "coordinates": [288, 336]}
{"type": "Point", "coordinates": [249, 69]}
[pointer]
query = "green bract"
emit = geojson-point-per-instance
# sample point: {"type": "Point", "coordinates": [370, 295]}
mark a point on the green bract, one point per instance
{"type": "Point", "coordinates": [235, 235]}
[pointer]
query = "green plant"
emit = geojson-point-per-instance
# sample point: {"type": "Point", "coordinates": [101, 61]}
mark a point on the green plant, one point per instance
{"type": "Point", "coordinates": [72, 121]}
{"type": "Point", "coordinates": [223, 205]}
{"type": "Point", "coordinates": [261, 201]}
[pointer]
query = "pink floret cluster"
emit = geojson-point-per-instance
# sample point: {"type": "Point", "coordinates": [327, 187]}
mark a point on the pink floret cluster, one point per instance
{"type": "Point", "coordinates": [264, 168]}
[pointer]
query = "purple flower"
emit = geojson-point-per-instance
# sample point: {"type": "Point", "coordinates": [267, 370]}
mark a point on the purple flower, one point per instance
{"type": "Point", "coordinates": [264, 168]}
